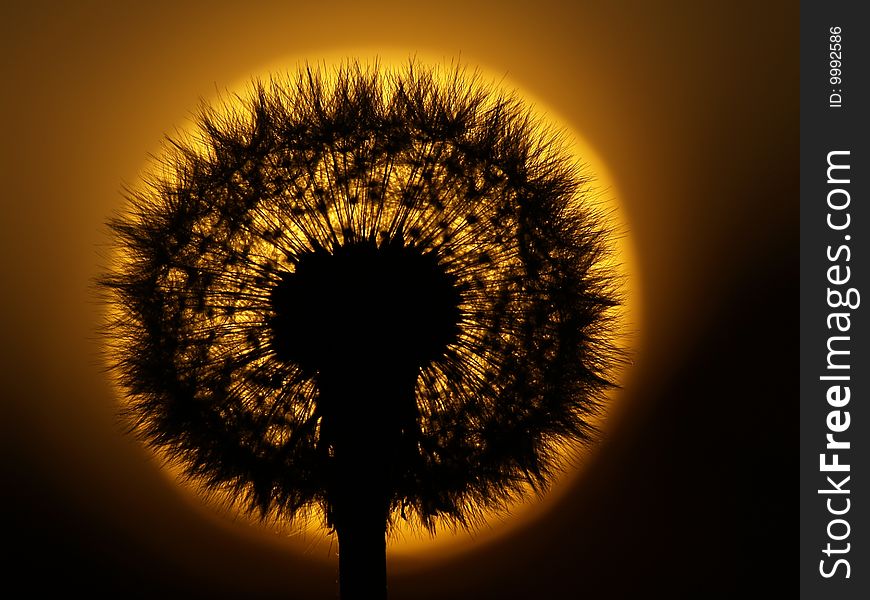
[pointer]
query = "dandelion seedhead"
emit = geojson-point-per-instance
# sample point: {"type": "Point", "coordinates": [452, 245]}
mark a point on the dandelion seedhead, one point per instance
{"type": "Point", "coordinates": [365, 279]}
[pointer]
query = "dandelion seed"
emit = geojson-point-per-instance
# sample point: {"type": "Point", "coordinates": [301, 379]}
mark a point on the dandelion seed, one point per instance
{"type": "Point", "coordinates": [375, 293]}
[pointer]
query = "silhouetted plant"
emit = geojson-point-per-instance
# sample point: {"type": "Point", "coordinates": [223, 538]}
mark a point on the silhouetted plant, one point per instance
{"type": "Point", "coordinates": [375, 292]}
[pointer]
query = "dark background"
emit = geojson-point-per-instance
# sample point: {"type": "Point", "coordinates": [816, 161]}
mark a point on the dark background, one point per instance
{"type": "Point", "coordinates": [694, 110]}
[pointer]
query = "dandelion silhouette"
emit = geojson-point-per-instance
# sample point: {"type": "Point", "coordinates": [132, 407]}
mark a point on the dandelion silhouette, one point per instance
{"type": "Point", "coordinates": [377, 293]}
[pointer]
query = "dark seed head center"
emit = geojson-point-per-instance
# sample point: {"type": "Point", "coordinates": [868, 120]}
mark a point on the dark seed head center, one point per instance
{"type": "Point", "coordinates": [363, 306]}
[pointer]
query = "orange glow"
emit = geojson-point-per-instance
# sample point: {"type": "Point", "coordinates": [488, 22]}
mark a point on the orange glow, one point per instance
{"type": "Point", "coordinates": [308, 534]}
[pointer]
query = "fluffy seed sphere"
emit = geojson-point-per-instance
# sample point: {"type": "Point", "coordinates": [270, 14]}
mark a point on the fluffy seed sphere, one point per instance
{"type": "Point", "coordinates": [400, 260]}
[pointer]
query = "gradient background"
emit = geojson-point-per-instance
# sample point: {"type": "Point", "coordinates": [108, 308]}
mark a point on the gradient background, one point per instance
{"type": "Point", "coordinates": [694, 110]}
